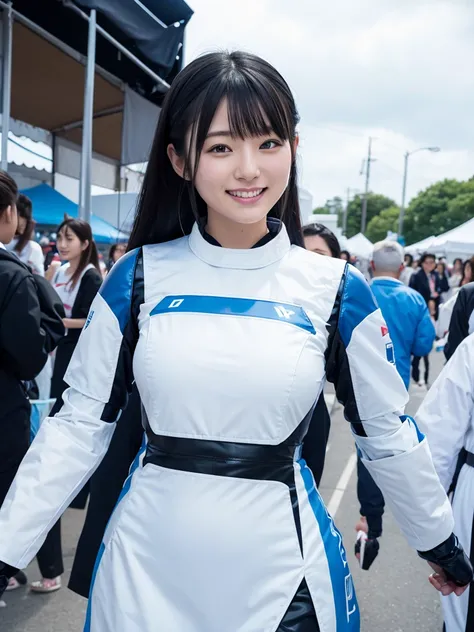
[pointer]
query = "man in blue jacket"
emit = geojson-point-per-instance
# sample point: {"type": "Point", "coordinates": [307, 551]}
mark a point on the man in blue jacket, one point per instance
{"type": "Point", "coordinates": [412, 333]}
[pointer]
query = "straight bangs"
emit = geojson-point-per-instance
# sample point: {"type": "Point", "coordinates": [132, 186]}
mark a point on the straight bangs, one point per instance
{"type": "Point", "coordinates": [254, 109]}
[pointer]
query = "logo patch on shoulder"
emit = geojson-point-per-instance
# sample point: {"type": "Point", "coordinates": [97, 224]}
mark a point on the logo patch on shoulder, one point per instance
{"type": "Point", "coordinates": [384, 330]}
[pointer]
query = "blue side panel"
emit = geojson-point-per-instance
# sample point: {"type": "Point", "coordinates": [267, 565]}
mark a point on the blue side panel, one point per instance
{"type": "Point", "coordinates": [228, 305]}
{"type": "Point", "coordinates": [345, 601]}
{"type": "Point", "coordinates": [117, 288]}
{"type": "Point", "coordinates": [123, 493]}
{"type": "Point", "coordinates": [358, 302]}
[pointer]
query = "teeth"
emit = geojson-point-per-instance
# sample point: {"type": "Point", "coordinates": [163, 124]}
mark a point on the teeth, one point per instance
{"type": "Point", "coordinates": [245, 194]}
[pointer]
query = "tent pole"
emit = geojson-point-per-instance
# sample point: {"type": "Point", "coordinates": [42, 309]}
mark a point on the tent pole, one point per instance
{"type": "Point", "coordinates": [6, 81]}
{"type": "Point", "coordinates": [86, 153]}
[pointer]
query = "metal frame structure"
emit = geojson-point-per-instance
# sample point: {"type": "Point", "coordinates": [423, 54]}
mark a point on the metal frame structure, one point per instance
{"type": "Point", "coordinates": [9, 14]}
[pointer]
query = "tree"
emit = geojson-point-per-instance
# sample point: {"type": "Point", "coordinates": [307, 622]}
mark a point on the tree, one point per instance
{"type": "Point", "coordinates": [441, 207]}
{"type": "Point", "coordinates": [333, 206]}
{"type": "Point", "coordinates": [375, 205]}
{"type": "Point", "coordinates": [379, 225]}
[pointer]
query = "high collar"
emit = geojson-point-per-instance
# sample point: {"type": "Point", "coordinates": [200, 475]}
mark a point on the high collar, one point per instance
{"type": "Point", "coordinates": [243, 259]}
{"type": "Point", "coordinates": [2, 246]}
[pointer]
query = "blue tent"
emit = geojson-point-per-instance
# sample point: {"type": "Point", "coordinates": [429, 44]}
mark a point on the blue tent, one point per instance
{"type": "Point", "coordinates": [50, 206]}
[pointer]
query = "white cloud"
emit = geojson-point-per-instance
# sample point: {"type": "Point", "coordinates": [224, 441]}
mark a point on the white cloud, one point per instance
{"type": "Point", "coordinates": [398, 71]}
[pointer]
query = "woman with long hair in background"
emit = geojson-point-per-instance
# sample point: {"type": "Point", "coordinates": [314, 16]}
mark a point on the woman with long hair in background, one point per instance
{"type": "Point", "coordinates": [23, 244]}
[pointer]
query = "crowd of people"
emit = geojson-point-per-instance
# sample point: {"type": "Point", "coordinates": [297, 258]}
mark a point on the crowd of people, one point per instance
{"type": "Point", "coordinates": [188, 388]}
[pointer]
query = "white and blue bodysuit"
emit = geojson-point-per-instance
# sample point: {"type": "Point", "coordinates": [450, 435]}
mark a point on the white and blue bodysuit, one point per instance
{"type": "Point", "coordinates": [221, 523]}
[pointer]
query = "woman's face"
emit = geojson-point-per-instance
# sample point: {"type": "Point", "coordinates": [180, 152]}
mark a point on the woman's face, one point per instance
{"type": "Point", "coordinates": [241, 180]}
{"type": "Point", "coordinates": [315, 243]}
{"type": "Point", "coordinates": [21, 225]}
{"type": "Point", "coordinates": [70, 247]}
{"type": "Point", "coordinates": [119, 251]}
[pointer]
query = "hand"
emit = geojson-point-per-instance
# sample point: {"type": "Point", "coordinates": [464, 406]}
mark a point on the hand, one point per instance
{"type": "Point", "coordinates": [362, 525]}
{"type": "Point", "coordinates": [439, 581]}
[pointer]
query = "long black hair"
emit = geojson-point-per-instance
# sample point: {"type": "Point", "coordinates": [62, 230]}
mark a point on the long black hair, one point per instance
{"type": "Point", "coordinates": [25, 210]}
{"type": "Point", "coordinates": [329, 237]}
{"type": "Point", "coordinates": [83, 231]}
{"type": "Point", "coordinates": [258, 100]}
{"type": "Point", "coordinates": [8, 191]}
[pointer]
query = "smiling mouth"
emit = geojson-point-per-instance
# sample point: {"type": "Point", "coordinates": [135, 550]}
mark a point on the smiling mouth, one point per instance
{"type": "Point", "coordinates": [243, 194]}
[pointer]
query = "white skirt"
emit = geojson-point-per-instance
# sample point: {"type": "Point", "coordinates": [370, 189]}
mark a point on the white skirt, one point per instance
{"type": "Point", "coordinates": [187, 552]}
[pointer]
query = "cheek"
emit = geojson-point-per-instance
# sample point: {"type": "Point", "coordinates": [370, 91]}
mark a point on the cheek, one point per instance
{"type": "Point", "coordinates": [278, 167]}
{"type": "Point", "coordinates": [212, 176]}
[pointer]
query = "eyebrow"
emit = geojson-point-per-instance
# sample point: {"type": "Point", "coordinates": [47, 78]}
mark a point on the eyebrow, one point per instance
{"type": "Point", "coordinates": [219, 133]}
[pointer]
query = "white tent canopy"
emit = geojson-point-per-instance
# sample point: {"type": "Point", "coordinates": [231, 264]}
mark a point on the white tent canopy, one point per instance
{"type": "Point", "coordinates": [456, 242]}
{"type": "Point", "coordinates": [420, 246]}
{"type": "Point", "coordinates": [360, 246]}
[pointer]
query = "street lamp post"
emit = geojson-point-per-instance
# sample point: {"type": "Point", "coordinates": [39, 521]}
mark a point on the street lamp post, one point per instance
{"type": "Point", "coordinates": [404, 187]}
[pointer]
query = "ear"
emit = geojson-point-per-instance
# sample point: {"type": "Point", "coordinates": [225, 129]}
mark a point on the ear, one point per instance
{"type": "Point", "coordinates": [372, 265]}
{"type": "Point", "coordinates": [85, 245]}
{"type": "Point", "coordinates": [7, 215]}
{"type": "Point", "coordinates": [177, 161]}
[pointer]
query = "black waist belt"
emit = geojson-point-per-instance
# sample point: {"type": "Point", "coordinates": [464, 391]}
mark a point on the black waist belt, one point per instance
{"type": "Point", "coordinates": [224, 458]}
{"type": "Point", "coordinates": [470, 458]}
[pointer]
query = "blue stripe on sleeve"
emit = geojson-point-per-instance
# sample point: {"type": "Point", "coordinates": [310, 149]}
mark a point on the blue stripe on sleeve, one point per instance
{"type": "Point", "coordinates": [358, 302]}
{"type": "Point", "coordinates": [116, 290]}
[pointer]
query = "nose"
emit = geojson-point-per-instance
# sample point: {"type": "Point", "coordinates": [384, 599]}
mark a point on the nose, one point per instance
{"type": "Point", "coordinates": [247, 167]}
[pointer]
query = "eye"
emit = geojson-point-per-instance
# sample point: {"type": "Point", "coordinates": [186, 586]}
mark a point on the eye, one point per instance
{"type": "Point", "coordinates": [219, 149]}
{"type": "Point", "coordinates": [270, 144]}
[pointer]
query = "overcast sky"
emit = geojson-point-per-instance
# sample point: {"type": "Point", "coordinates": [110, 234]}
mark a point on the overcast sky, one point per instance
{"type": "Point", "coordinates": [398, 71]}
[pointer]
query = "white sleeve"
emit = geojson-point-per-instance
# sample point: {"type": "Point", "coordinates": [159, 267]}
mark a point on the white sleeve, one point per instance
{"type": "Point", "coordinates": [70, 446]}
{"type": "Point", "coordinates": [445, 415]}
{"type": "Point", "coordinates": [361, 363]}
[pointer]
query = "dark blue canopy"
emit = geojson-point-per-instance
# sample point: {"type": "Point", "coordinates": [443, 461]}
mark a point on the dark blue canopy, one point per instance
{"type": "Point", "coordinates": [50, 206]}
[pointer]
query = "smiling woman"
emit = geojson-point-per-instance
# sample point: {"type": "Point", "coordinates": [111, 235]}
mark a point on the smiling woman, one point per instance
{"type": "Point", "coordinates": [224, 153]}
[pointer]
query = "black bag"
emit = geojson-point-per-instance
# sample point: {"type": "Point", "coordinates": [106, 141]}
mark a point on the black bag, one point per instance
{"type": "Point", "coordinates": [52, 312]}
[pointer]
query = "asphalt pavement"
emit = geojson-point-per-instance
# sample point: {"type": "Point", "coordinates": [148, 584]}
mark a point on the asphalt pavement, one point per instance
{"type": "Point", "coordinates": [394, 596]}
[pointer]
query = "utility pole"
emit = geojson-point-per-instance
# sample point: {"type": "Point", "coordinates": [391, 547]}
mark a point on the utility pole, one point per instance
{"type": "Point", "coordinates": [363, 222]}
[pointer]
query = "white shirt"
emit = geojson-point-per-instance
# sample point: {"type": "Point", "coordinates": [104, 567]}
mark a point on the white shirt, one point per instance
{"type": "Point", "coordinates": [63, 286]}
{"type": "Point", "coordinates": [31, 255]}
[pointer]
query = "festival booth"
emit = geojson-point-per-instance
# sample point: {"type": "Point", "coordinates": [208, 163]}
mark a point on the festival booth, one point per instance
{"type": "Point", "coordinates": [359, 246]}
{"type": "Point", "coordinates": [457, 242]}
{"type": "Point", "coordinates": [420, 247]}
{"type": "Point", "coordinates": [87, 78]}
{"type": "Point", "coordinates": [50, 207]}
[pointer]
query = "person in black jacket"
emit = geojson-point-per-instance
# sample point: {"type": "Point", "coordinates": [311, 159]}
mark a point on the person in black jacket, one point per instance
{"type": "Point", "coordinates": [430, 285]}
{"type": "Point", "coordinates": [462, 319]}
{"type": "Point", "coordinates": [27, 334]}
{"type": "Point", "coordinates": [77, 283]}
{"type": "Point", "coordinates": [319, 239]}
{"type": "Point", "coordinates": [427, 281]}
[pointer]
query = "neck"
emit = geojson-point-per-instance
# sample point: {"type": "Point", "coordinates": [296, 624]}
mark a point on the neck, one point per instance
{"type": "Point", "coordinates": [233, 235]}
{"type": "Point", "coordinates": [392, 275]}
{"type": "Point", "coordinates": [73, 265]}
